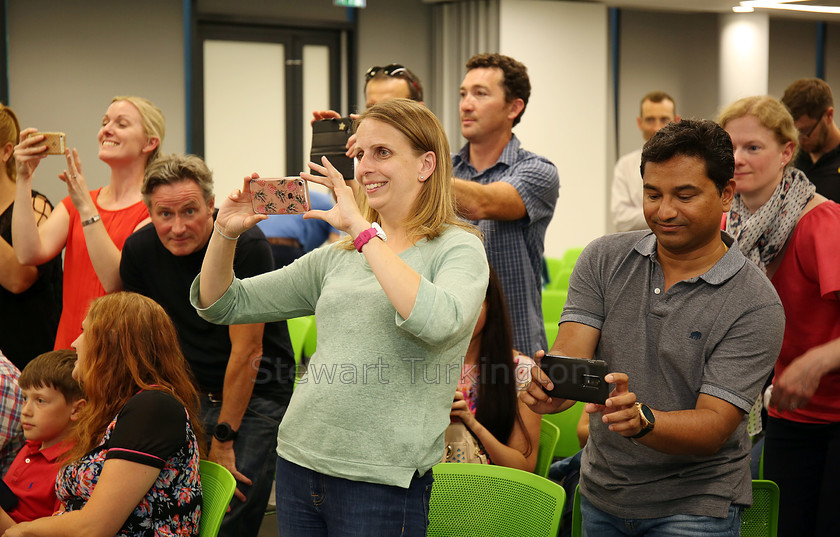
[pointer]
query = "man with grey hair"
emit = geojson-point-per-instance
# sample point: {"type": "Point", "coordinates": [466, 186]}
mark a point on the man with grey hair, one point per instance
{"type": "Point", "coordinates": [244, 372]}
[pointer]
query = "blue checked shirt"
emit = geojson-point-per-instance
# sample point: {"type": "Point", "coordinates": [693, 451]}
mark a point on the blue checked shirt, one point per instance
{"type": "Point", "coordinates": [515, 248]}
{"type": "Point", "coordinates": [11, 401]}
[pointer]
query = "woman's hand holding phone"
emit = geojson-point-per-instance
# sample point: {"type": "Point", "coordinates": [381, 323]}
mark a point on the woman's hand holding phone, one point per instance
{"type": "Point", "coordinates": [345, 214]}
{"type": "Point", "coordinates": [236, 215]}
{"type": "Point", "coordinates": [29, 152]}
{"type": "Point", "coordinates": [461, 410]}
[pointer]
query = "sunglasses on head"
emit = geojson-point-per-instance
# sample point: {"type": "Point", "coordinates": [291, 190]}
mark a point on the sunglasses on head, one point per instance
{"type": "Point", "coordinates": [392, 69]}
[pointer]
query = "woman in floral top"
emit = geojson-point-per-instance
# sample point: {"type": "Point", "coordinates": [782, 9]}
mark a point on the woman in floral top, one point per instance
{"type": "Point", "coordinates": [492, 376]}
{"type": "Point", "coordinates": [134, 470]}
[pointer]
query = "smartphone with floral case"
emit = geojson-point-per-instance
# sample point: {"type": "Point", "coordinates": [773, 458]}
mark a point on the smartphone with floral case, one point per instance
{"type": "Point", "coordinates": [289, 195]}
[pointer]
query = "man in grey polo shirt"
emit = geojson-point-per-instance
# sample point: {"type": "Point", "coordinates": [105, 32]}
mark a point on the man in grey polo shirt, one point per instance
{"type": "Point", "coordinates": [690, 330]}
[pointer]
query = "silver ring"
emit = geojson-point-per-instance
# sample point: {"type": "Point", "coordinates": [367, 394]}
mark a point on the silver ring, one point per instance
{"type": "Point", "coordinates": [74, 176]}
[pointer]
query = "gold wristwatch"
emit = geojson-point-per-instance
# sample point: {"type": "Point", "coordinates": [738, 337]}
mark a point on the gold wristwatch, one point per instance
{"type": "Point", "coordinates": [648, 420]}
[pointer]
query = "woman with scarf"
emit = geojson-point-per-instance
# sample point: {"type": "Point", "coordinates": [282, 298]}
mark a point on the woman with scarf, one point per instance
{"type": "Point", "coordinates": [791, 232]}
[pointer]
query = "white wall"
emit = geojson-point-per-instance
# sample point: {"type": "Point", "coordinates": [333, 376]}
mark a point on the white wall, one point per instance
{"type": "Point", "coordinates": [832, 61]}
{"type": "Point", "coordinates": [653, 56]}
{"type": "Point", "coordinates": [68, 59]}
{"type": "Point", "coordinates": [564, 46]}
{"type": "Point", "coordinates": [793, 52]}
{"type": "Point", "coordinates": [744, 56]}
{"type": "Point", "coordinates": [396, 31]}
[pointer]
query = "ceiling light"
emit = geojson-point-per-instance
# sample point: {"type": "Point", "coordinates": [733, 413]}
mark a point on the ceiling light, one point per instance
{"type": "Point", "coordinates": [768, 4]}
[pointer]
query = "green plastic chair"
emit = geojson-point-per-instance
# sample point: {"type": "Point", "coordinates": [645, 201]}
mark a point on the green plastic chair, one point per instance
{"type": "Point", "coordinates": [553, 301]}
{"type": "Point", "coordinates": [560, 281]}
{"type": "Point", "coordinates": [298, 328]}
{"type": "Point", "coordinates": [548, 440]}
{"type": "Point", "coordinates": [311, 341]}
{"type": "Point", "coordinates": [554, 265]}
{"type": "Point", "coordinates": [566, 422]}
{"type": "Point", "coordinates": [760, 520]}
{"type": "Point", "coordinates": [217, 486]}
{"type": "Point", "coordinates": [484, 500]}
{"type": "Point", "coordinates": [551, 329]}
{"type": "Point", "coordinates": [570, 257]}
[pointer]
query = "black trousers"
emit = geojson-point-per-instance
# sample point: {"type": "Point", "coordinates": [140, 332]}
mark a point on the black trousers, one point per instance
{"type": "Point", "coordinates": [804, 460]}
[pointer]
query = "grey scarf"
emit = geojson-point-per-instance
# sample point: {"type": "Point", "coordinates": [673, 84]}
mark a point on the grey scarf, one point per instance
{"type": "Point", "coordinates": [763, 234]}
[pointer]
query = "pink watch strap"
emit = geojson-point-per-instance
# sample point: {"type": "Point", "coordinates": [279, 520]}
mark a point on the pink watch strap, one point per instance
{"type": "Point", "coordinates": [363, 238]}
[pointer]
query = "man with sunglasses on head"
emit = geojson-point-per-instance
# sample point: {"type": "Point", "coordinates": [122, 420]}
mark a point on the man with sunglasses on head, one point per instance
{"type": "Point", "coordinates": [812, 107]}
{"type": "Point", "coordinates": [392, 81]}
{"type": "Point", "coordinates": [509, 192]}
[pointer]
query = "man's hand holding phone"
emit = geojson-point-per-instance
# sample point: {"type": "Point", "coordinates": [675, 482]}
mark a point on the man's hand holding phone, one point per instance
{"type": "Point", "coordinates": [536, 396]}
{"type": "Point", "coordinates": [619, 411]}
{"type": "Point", "coordinates": [318, 115]}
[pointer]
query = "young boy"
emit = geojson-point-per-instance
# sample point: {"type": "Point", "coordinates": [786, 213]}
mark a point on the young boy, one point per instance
{"type": "Point", "coordinates": [53, 401]}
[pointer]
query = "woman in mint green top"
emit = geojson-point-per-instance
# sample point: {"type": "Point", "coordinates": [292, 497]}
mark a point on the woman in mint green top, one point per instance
{"type": "Point", "coordinates": [395, 306]}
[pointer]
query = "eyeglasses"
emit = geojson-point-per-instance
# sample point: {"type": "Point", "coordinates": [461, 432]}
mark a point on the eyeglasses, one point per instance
{"type": "Point", "coordinates": [395, 70]}
{"type": "Point", "coordinates": [813, 128]}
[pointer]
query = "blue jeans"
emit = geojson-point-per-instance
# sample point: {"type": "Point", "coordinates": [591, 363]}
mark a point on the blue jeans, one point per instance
{"type": "Point", "coordinates": [256, 450]}
{"type": "Point", "coordinates": [597, 523]}
{"type": "Point", "coordinates": [567, 472]}
{"type": "Point", "coordinates": [311, 504]}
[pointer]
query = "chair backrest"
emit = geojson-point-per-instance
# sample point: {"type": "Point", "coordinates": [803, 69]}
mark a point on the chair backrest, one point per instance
{"type": "Point", "coordinates": [553, 302]}
{"type": "Point", "coordinates": [760, 520]}
{"type": "Point", "coordinates": [484, 500]}
{"type": "Point", "coordinates": [217, 486]}
{"type": "Point", "coordinates": [560, 280]}
{"type": "Point", "coordinates": [551, 330]}
{"type": "Point", "coordinates": [548, 440]}
{"type": "Point", "coordinates": [298, 328]}
{"type": "Point", "coordinates": [570, 257]}
{"type": "Point", "coordinates": [311, 342]}
{"type": "Point", "coordinates": [553, 265]}
{"type": "Point", "coordinates": [566, 421]}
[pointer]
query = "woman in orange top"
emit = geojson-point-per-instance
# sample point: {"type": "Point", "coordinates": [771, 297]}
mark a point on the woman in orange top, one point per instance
{"type": "Point", "coordinates": [92, 225]}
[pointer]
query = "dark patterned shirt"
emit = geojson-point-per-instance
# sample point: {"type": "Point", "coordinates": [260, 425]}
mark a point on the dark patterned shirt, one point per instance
{"type": "Point", "coordinates": [151, 429]}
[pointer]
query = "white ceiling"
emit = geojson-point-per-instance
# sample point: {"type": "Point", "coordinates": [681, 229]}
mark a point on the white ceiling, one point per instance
{"type": "Point", "coordinates": [718, 6]}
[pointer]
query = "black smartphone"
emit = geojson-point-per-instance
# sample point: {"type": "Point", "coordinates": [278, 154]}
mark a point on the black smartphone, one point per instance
{"type": "Point", "coordinates": [329, 139]}
{"type": "Point", "coordinates": [577, 379]}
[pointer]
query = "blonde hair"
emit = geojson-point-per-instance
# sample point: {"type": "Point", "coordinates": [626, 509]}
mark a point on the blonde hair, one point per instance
{"type": "Point", "coordinates": [434, 208]}
{"type": "Point", "coordinates": [154, 124]}
{"type": "Point", "coordinates": [770, 113]}
{"type": "Point", "coordinates": [9, 133]}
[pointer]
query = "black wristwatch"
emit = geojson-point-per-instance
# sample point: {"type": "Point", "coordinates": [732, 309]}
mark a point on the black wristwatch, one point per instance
{"type": "Point", "coordinates": [223, 432]}
{"type": "Point", "coordinates": [648, 420]}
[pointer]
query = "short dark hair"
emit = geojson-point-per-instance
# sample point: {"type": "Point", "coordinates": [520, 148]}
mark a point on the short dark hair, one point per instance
{"type": "Point", "coordinates": [515, 76]}
{"type": "Point", "coordinates": [808, 97]}
{"type": "Point", "coordinates": [54, 370]}
{"type": "Point", "coordinates": [657, 97]}
{"type": "Point", "coordinates": [700, 138]}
